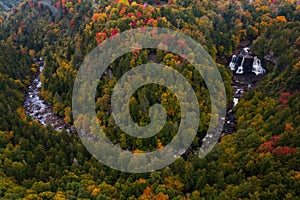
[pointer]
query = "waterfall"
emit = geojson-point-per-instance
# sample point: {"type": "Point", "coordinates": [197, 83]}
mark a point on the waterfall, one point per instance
{"type": "Point", "coordinates": [232, 63]}
{"type": "Point", "coordinates": [256, 67]}
{"type": "Point", "coordinates": [246, 50]}
{"type": "Point", "coordinates": [240, 69]}
{"type": "Point", "coordinates": [246, 54]}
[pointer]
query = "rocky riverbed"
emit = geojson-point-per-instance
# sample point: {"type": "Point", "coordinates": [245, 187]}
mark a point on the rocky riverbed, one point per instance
{"type": "Point", "coordinates": [245, 77]}
{"type": "Point", "coordinates": [42, 111]}
{"type": "Point", "coordinates": [38, 108]}
{"type": "Point", "coordinates": [240, 85]}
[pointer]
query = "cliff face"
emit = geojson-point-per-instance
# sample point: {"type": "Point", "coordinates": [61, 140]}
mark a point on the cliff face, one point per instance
{"type": "Point", "coordinates": [247, 65]}
{"type": "Point", "coordinates": [246, 62]}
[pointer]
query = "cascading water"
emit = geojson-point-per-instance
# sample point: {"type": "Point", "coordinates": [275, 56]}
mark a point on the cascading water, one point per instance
{"type": "Point", "coordinates": [38, 108]}
{"type": "Point", "coordinates": [244, 67]}
{"type": "Point", "coordinates": [256, 67]}
{"type": "Point", "coordinates": [232, 63]}
{"type": "Point", "coordinates": [244, 78]}
{"type": "Point", "coordinates": [240, 69]}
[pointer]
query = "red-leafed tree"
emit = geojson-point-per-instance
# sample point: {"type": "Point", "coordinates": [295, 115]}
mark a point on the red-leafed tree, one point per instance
{"type": "Point", "coordinates": [139, 15]}
{"type": "Point", "coordinates": [284, 96]}
{"type": "Point", "coordinates": [283, 151]}
{"type": "Point", "coordinates": [114, 32]}
{"type": "Point", "coordinates": [72, 23]}
{"type": "Point", "coordinates": [269, 146]}
{"type": "Point", "coordinates": [100, 37]}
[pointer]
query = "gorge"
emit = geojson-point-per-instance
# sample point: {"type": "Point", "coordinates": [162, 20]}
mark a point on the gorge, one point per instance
{"type": "Point", "coordinates": [37, 107]}
{"type": "Point", "coordinates": [247, 70]}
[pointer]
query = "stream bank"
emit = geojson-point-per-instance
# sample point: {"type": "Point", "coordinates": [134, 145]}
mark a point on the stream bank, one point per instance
{"type": "Point", "coordinates": [42, 111]}
{"type": "Point", "coordinates": [37, 107]}
{"type": "Point", "coordinates": [247, 70]}
{"type": "Point", "coordinates": [240, 85]}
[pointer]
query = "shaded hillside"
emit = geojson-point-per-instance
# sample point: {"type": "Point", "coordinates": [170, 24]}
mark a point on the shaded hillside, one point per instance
{"type": "Point", "coordinates": [259, 161]}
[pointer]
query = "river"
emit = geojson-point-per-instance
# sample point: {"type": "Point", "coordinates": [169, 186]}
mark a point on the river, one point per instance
{"type": "Point", "coordinates": [240, 85]}
{"type": "Point", "coordinates": [38, 108]}
{"type": "Point", "coordinates": [245, 76]}
{"type": "Point", "coordinates": [42, 111]}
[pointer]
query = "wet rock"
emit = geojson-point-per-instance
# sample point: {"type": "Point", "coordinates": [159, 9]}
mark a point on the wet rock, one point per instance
{"type": "Point", "coordinates": [241, 83]}
{"type": "Point", "coordinates": [38, 108]}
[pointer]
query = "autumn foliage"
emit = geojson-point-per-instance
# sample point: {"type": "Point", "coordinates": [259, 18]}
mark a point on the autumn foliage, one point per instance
{"type": "Point", "coordinates": [272, 146]}
{"type": "Point", "coordinates": [258, 161]}
{"type": "Point", "coordinates": [284, 96]}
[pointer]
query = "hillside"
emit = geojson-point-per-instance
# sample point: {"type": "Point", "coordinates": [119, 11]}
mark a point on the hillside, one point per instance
{"type": "Point", "coordinates": [260, 160]}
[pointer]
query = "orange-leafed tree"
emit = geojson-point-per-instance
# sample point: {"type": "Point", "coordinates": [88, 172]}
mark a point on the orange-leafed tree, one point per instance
{"type": "Point", "coordinates": [280, 19]}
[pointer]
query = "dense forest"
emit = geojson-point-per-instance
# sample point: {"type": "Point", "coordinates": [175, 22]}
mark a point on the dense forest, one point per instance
{"type": "Point", "coordinates": [261, 160]}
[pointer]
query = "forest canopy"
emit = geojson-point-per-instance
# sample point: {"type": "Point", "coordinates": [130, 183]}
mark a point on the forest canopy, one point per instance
{"type": "Point", "coordinates": [258, 161]}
